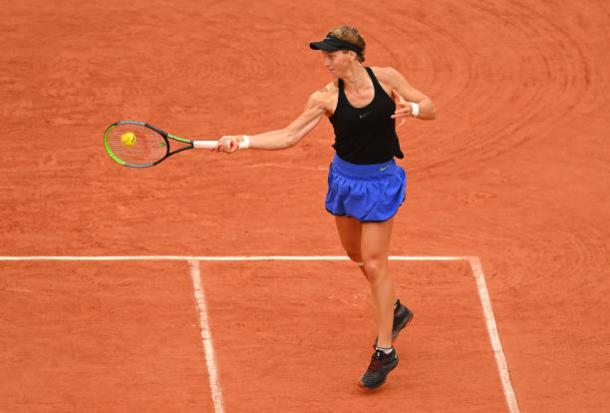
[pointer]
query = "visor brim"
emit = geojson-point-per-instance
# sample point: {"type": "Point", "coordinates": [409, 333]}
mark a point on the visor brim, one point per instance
{"type": "Point", "coordinates": [324, 46]}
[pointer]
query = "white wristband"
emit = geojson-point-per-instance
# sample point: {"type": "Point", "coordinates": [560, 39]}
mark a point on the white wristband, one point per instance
{"type": "Point", "coordinates": [245, 142]}
{"type": "Point", "coordinates": [414, 109]}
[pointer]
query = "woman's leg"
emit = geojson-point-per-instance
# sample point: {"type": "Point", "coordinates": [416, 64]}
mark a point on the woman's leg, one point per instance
{"type": "Point", "coordinates": [350, 230]}
{"type": "Point", "coordinates": [374, 250]}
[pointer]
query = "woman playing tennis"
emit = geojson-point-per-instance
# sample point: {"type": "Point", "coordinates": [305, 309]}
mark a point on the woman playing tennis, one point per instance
{"type": "Point", "coordinates": [365, 185]}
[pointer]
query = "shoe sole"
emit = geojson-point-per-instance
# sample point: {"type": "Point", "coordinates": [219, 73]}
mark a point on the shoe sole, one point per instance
{"type": "Point", "coordinates": [370, 389]}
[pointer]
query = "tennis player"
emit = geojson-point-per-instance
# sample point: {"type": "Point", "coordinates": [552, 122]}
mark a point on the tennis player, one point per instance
{"type": "Point", "coordinates": [365, 185]}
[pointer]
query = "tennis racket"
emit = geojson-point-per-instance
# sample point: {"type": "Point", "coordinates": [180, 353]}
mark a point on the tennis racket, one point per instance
{"type": "Point", "coordinates": [140, 145]}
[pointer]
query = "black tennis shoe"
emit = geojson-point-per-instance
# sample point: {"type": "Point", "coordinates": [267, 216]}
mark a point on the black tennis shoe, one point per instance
{"type": "Point", "coordinates": [402, 317]}
{"type": "Point", "coordinates": [381, 364]}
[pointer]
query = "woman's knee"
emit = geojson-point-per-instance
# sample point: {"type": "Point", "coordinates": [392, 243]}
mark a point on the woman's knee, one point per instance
{"type": "Point", "coordinates": [375, 268]}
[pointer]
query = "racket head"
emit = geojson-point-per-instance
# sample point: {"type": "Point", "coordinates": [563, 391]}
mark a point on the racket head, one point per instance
{"type": "Point", "coordinates": [136, 144]}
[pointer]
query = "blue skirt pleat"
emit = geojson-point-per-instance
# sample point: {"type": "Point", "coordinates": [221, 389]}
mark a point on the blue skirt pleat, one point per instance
{"type": "Point", "coordinates": [369, 193]}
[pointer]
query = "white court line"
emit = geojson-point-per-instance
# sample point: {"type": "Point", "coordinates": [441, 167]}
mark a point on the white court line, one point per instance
{"type": "Point", "coordinates": [494, 336]}
{"type": "Point", "coordinates": [206, 336]}
{"type": "Point", "coordinates": [217, 258]}
{"type": "Point", "coordinates": [475, 265]}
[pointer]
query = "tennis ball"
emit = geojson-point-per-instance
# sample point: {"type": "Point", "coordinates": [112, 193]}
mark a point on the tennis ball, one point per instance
{"type": "Point", "coordinates": [128, 139]}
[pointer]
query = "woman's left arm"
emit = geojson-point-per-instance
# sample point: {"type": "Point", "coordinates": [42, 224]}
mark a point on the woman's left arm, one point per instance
{"type": "Point", "coordinates": [400, 85]}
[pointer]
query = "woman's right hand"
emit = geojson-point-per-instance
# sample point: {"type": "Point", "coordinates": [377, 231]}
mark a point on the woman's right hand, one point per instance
{"type": "Point", "coordinates": [228, 143]}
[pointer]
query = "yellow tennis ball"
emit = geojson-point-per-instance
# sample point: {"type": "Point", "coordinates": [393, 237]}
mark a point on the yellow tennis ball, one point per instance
{"type": "Point", "coordinates": [128, 139]}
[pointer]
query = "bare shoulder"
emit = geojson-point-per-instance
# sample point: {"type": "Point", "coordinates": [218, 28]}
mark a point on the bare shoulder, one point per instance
{"type": "Point", "coordinates": [388, 74]}
{"type": "Point", "coordinates": [398, 84]}
{"type": "Point", "coordinates": [324, 97]}
{"type": "Point", "coordinates": [326, 92]}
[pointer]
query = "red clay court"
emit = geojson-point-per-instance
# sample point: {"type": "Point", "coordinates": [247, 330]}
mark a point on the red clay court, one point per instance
{"type": "Point", "coordinates": [215, 283]}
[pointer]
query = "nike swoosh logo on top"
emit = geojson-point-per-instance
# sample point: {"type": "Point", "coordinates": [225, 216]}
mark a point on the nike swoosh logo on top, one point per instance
{"type": "Point", "coordinates": [384, 168]}
{"type": "Point", "coordinates": [362, 115]}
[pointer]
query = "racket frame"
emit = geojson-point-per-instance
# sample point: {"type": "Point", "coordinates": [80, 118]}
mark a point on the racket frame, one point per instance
{"type": "Point", "coordinates": [166, 137]}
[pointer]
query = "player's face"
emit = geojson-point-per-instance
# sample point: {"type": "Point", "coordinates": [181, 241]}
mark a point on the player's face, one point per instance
{"type": "Point", "coordinates": [337, 62]}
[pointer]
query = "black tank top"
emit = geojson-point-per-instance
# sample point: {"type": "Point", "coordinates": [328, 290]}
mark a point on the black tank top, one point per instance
{"type": "Point", "coordinates": [366, 135]}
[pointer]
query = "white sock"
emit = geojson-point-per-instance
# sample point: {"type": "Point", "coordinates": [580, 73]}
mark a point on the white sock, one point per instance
{"type": "Point", "coordinates": [385, 350]}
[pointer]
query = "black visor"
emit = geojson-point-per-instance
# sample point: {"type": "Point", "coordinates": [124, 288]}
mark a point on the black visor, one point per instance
{"type": "Point", "coordinates": [332, 44]}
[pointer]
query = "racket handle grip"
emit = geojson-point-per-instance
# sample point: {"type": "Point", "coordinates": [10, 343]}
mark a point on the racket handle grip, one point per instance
{"type": "Point", "coordinates": [205, 144]}
{"type": "Point", "coordinates": [213, 144]}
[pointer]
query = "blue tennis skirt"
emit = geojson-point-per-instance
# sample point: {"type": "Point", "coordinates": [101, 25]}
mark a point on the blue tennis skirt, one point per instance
{"type": "Point", "coordinates": [369, 193]}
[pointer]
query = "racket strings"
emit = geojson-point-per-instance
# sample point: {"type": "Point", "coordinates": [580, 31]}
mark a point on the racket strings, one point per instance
{"type": "Point", "coordinates": [136, 145]}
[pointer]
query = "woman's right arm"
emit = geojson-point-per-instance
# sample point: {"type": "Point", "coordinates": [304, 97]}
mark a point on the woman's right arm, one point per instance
{"type": "Point", "coordinates": [315, 109]}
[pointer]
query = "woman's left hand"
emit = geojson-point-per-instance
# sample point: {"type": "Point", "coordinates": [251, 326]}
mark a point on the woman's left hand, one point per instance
{"type": "Point", "coordinates": [403, 108]}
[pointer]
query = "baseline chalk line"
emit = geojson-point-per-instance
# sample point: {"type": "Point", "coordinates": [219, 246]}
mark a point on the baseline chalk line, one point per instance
{"type": "Point", "coordinates": [216, 258]}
